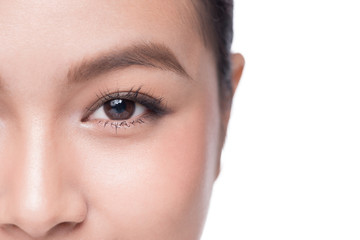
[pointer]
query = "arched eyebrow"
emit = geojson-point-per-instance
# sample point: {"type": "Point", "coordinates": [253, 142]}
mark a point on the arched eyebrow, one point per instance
{"type": "Point", "coordinates": [151, 55]}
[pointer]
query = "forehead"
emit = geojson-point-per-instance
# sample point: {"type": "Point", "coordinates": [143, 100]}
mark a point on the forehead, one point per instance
{"type": "Point", "coordinates": [44, 15]}
{"type": "Point", "coordinates": [43, 33]}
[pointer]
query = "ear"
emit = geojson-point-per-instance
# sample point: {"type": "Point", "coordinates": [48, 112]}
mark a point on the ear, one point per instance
{"type": "Point", "coordinates": [237, 67]}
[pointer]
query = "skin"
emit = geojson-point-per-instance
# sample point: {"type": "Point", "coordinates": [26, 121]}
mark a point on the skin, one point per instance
{"type": "Point", "coordinates": [65, 178]}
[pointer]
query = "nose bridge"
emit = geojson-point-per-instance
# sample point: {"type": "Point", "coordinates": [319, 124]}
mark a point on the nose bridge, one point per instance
{"type": "Point", "coordinates": [39, 197]}
{"type": "Point", "coordinates": [37, 184]}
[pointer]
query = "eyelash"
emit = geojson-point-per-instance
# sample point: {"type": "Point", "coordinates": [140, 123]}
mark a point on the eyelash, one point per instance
{"type": "Point", "coordinates": [155, 107]}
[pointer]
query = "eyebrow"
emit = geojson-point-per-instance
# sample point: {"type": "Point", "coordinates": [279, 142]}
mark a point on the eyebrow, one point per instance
{"type": "Point", "coordinates": [152, 55]}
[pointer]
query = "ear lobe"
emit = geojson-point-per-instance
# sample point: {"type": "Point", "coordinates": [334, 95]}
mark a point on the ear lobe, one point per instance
{"type": "Point", "coordinates": [237, 67]}
{"type": "Point", "coordinates": [217, 174]}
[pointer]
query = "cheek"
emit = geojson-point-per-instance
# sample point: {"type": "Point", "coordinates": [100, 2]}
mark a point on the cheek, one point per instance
{"type": "Point", "coordinates": [160, 182]}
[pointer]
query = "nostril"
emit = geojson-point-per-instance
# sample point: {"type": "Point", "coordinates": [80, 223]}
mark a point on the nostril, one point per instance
{"type": "Point", "coordinates": [63, 227]}
{"type": "Point", "coordinates": [59, 230]}
{"type": "Point", "coordinates": [12, 230]}
{"type": "Point", "coordinates": [8, 227]}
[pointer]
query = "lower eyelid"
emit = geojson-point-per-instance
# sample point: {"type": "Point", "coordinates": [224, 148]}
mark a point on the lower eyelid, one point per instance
{"type": "Point", "coordinates": [121, 128]}
{"type": "Point", "coordinates": [120, 124]}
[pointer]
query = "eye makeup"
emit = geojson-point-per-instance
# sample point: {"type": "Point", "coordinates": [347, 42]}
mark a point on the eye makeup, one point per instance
{"type": "Point", "coordinates": [154, 107]}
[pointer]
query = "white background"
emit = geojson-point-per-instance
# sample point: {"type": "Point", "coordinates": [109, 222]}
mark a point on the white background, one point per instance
{"type": "Point", "coordinates": [290, 166]}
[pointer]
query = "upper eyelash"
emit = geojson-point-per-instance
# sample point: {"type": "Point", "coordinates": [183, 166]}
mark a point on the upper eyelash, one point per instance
{"type": "Point", "coordinates": [153, 104]}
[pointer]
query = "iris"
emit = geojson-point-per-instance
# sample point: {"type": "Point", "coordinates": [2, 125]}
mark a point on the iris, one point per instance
{"type": "Point", "coordinates": [119, 109]}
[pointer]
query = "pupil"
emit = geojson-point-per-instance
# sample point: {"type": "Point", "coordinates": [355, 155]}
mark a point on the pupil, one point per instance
{"type": "Point", "coordinates": [118, 105]}
{"type": "Point", "coordinates": [119, 109]}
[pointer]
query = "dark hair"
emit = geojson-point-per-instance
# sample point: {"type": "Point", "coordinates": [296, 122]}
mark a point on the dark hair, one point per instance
{"type": "Point", "coordinates": [216, 21]}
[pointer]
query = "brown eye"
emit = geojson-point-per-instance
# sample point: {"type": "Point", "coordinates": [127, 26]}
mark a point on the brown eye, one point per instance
{"type": "Point", "coordinates": [118, 109]}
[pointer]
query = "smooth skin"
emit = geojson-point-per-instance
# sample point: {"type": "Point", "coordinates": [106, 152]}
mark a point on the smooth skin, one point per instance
{"type": "Point", "coordinates": [63, 177]}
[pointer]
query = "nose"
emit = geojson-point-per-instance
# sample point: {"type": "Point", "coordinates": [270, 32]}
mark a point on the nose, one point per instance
{"type": "Point", "coordinates": [37, 215]}
{"type": "Point", "coordinates": [38, 200]}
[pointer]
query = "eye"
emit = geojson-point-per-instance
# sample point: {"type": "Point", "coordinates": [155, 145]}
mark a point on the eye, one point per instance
{"type": "Point", "coordinates": [124, 109]}
{"type": "Point", "coordinates": [118, 110]}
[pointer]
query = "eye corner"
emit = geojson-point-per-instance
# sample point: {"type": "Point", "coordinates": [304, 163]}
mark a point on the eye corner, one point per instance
{"type": "Point", "coordinates": [86, 114]}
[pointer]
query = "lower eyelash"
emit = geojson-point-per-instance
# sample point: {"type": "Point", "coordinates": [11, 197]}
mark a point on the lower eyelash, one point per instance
{"type": "Point", "coordinates": [118, 124]}
{"type": "Point", "coordinates": [125, 123]}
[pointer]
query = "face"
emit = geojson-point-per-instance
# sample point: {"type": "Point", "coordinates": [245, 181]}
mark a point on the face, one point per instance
{"type": "Point", "coordinates": [109, 120]}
